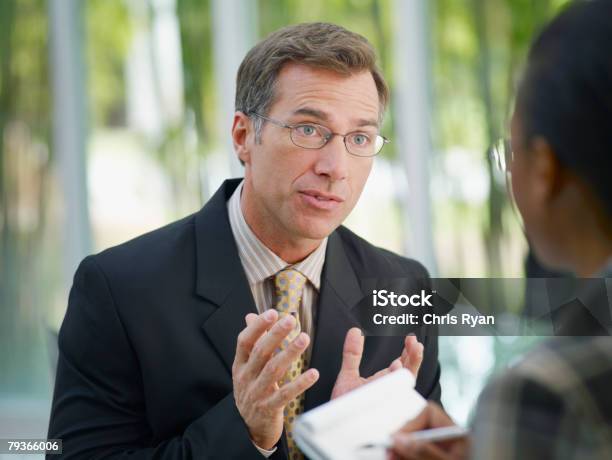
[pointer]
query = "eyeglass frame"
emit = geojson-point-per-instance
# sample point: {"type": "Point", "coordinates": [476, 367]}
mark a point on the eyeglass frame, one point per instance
{"type": "Point", "coordinates": [327, 138]}
{"type": "Point", "coordinates": [502, 160]}
{"type": "Point", "coordinates": [501, 156]}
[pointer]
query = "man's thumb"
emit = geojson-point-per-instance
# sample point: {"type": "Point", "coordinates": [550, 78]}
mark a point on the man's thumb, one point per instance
{"type": "Point", "coordinates": [353, 349]}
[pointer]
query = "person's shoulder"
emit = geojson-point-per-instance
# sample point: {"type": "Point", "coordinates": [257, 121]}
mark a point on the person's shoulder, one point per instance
{"type": "Point", "coordinates": [561, 375]}
{"type": "Point", "coordinates": [558, 391]}
{"type": "Point", "coordinates": [579, 357]}
{"type": "Point", "coordinates": [517, 415]}
{"type": "Point", "coordinates": [515, 388]}
{"type": "Point", "coordinates": [373, 261]}
{"type": "Point", "coordinates": [155, 250]}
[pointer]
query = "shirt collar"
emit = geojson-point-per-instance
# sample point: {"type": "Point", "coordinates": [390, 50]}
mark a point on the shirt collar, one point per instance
{"type": "Point", "coordinates": [259, 262]}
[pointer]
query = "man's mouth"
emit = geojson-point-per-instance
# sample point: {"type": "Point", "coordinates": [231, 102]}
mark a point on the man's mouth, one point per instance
{"type": "Point", "coordinates": [322, 196]}
{"type": "Point", "coordinates": [321, 201]}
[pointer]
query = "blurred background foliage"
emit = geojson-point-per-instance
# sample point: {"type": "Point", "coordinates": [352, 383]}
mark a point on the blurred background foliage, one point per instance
{"type": "Point", "coordinates": [475, 51]}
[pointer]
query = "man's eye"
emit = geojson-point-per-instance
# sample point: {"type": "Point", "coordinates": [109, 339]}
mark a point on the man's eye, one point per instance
{"type": "Point", "coordinates": [306, 130]}
{"type": "Point", "coordinates": [360, 139]}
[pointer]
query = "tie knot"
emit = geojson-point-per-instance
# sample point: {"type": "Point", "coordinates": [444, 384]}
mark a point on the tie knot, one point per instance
{"type": "Point", "coordinates": [289, 286]}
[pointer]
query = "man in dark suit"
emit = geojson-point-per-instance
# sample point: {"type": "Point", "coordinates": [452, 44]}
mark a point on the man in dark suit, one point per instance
{"type": "Point", "coordinates": [194, 341]}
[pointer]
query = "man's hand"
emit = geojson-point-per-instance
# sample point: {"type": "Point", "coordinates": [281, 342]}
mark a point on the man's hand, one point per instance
{"type": "Point", "coordinates": [257, 369]}
{"type": "Point", "coordinates": [432, 416]}
{"type": "Point", "coordinates": [349, 378]}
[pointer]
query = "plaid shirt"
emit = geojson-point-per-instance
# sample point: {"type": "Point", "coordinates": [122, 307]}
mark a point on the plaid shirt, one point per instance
{"type": "Point", "coordinates": [556, 403]}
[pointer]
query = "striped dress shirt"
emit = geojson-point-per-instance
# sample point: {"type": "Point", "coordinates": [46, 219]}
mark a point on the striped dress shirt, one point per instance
{"type": "Point", "coordinates": [261, 264]}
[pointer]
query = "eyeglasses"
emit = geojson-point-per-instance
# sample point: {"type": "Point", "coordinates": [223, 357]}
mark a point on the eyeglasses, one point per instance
{"type": "Point", "coordinates": [314, 136]}
{"type": "Point", "coordinates": [501, 155]}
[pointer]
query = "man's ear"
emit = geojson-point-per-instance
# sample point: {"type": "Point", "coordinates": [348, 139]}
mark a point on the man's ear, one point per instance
{"type": "Point", "coordinates": [546, 173]}
{"type": "Point", "coordinates": [242, 136]}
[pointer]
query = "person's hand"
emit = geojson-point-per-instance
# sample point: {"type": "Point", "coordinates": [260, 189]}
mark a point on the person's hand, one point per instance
{"type": "Point", "coordinates": [257, 369]}
{"type": "Point", "coordinates": [405, 448]}
{"type": "Point", "coordinates": [349, 378]}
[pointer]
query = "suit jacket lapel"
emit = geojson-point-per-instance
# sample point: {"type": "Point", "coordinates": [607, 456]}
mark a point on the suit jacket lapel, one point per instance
{"type": "Point", "coordinates": [220, 277]}
{"type": "Point", "coordinates": [340, 292]}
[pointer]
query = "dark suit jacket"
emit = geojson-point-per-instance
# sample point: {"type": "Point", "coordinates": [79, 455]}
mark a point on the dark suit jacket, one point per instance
{"type": "Point", "coordinates": [148, 340]}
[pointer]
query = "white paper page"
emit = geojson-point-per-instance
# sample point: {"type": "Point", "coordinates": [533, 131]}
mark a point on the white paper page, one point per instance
{"type": "Point", "coordinates": [368, 414]}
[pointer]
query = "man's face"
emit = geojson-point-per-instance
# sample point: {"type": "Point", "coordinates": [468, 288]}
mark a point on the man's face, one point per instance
{"type": "Point", "coordinates": [297, 193]}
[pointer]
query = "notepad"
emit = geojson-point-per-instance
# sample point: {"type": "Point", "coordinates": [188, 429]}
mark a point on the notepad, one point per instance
{"type": "Point", "coordinates": [368, 415]}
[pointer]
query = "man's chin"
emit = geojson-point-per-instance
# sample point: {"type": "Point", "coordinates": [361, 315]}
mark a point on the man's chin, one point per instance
{"type": "Point", "coordinates": [317, 230]}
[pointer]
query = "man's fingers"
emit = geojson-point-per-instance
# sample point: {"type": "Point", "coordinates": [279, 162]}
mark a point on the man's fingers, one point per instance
{"type": "Point", "coordinates": [248, 337]}
{"type": "Point", "coordinates": [412, 355]}
{"type": "Point", "coordinates": [379, 374]}
{"type": "Point", "coordinates": [285, 394]}
{"type": "Point", "coordinates": [275, 368]}
{"type": "Point", "coordinates": [268, 344]}
{"type": "Point", "coordinates": [395, 365]}
{"type": "Point", "coordinates": [250, 318]}
{"type": "Point", "coordinates": [407, 449]}
{"type": "Point", "coordinates": [415, 359]}
{"type": "Point", "coordinates": [404, 356]}
{"type": "Point", "coordinates": [433, 416]}
{"type": "Point", "coordinates": [353, 349]}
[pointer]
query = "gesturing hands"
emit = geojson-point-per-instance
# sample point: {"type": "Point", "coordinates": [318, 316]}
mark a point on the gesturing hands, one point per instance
{"type": "Point", "coordinates": [349, 377]}
{"type": "Point", "coordinates": [257, 369]}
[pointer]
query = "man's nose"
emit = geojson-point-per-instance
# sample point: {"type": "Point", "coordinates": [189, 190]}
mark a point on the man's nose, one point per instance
{"type": "Point", "coordinates": [333, 159]}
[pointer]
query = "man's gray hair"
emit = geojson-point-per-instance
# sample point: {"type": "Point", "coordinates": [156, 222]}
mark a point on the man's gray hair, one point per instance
{"type": "Point", "coordinates": [320, 45]}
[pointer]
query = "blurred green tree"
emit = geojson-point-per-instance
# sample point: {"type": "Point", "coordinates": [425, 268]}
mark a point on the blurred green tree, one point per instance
{"type": "Point", "coordinates": [25, 165]}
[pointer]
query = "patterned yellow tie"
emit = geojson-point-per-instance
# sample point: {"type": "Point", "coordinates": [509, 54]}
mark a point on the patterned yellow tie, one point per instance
{"type": "Point", "coordinates": [289, 287]}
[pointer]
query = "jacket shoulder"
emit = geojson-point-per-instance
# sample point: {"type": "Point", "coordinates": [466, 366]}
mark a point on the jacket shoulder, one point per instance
{"type": "Point", "coordinates": [154, 251]}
